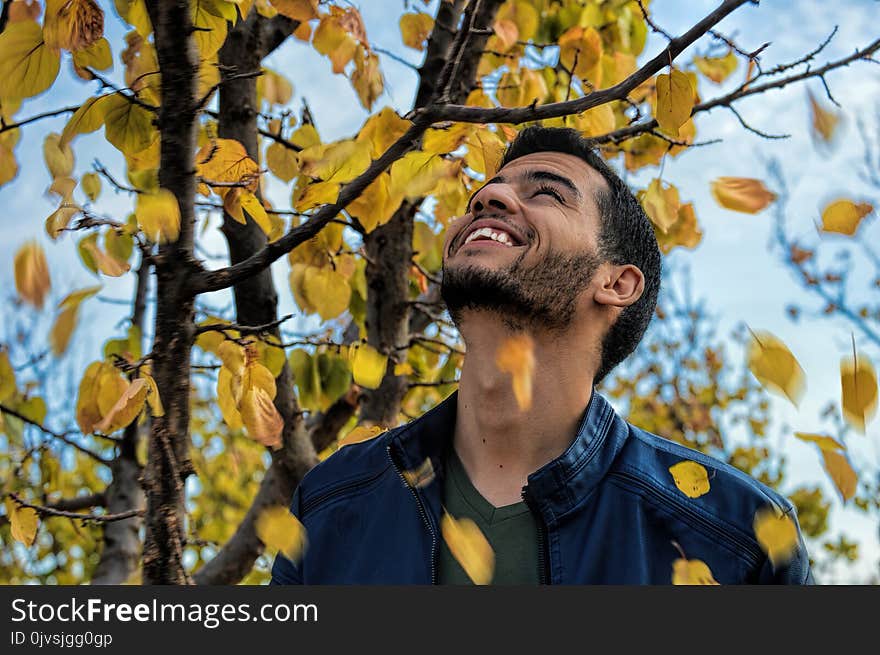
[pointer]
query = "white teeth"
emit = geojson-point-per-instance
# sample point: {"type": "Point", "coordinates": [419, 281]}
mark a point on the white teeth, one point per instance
{"type": "Point", "coordinates": [500, 237]}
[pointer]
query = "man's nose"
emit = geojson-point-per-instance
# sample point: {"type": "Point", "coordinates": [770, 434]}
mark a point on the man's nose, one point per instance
{"type": "Point", "coordinates": [496, 196]}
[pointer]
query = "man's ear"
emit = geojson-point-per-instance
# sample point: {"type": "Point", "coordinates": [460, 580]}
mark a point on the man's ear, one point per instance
{"type": "Point", "coordinates": [621, 286]}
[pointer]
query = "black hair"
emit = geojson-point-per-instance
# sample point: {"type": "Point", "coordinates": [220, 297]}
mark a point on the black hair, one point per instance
{"type": "Point", "coordinates": [626, 235]}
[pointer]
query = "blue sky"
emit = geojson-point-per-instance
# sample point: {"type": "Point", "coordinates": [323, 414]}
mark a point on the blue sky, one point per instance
{"type": "Point", "coordinates": [741, 280]}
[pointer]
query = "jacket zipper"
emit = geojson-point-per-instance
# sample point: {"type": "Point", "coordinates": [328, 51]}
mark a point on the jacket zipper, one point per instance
{"type": "Point", "coordinates": [312, 502]}
{"type": "Point", "coordinates": [424, 516]}
{"type": "Point", "coordinates": [743, 545]}
{"type": "Point", "coordinates": [543, 564]}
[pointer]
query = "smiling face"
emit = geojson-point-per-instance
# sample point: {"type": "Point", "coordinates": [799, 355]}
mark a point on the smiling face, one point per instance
{"type": "Point", "coordinates": [527, 247]}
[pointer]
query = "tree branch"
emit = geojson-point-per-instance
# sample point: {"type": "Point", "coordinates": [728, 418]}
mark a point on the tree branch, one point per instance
{"type": "Point", "coordinates": [48, 510]}
{"type": "Point", "coordinates": [60, 436]}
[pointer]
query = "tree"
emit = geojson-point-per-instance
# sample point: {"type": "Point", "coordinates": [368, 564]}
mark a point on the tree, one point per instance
{"type": "Point", "coordinates": [362, 237]}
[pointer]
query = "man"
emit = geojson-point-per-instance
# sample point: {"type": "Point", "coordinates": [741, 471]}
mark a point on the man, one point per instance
{"type": "Point", "coordinates": [554, 251]}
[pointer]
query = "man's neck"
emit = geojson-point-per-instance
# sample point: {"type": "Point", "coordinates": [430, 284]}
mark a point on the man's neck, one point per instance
{"type": "Point", "coordinates": [500, 444]}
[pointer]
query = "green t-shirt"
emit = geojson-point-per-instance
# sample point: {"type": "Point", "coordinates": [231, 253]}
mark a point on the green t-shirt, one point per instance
{"type": "Point", "coordinates": [511, 530]}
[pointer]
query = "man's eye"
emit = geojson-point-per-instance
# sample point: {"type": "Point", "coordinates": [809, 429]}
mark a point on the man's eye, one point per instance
{"type": "Point", "coordinates": [550, 191]}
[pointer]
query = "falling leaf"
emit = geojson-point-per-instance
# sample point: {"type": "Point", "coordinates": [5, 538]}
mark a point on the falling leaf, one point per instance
{"type": "Point", "coordinates": [772, 363]}
{"type": "Point", "coordinates": [280, 530]}
{"type": "Point", "coordinates": [691, 478]}
{"type": "Point", "coordinates": [824, 122]}
{"type": "Point", "coordinates": [361, 433]}
{"type": "Point", "coordinates": [24, 522]}
{"type": "Point", "coordinates": [421, 476]}
{"type": "Point", "coordinates": [741, 194]}
{"type": "Point", "coordinates": [65, 323]}
{"type": "Point", "coordinates": [368, 366]}
{"type": "Point", "coordinates": [858, 385]}
{"type": "Point", "coordinates": [717, 69]}
{"type": "Point", "coordinates": [675, 101]}
{"type": "Point", "coordinates": [661, 205]}
{"type": "Point", "coordinates": [28, 66]}
{"type": "Point", "coordinates": [691, 572]}
{"type": "Point", "coordinates": [415, 29]}
{"type": "Point", "coordinates": [841, 473]}
{"type": "Point", "coordinates": [825, 443]}
{"type": "Point", "coordinates": [107, 264]}
{"type": "Point", "coordinates": [516, 356]}
{"type": "Point", "coordinates": [469, 547]}
{"type": "Point", "coordinates": [158, 216]}
{"type": "Point", "coordinates": [32, 274]}
{"type": "Point", "coordinates": [777, 535]}
{"type": "Point", "coordinates": [844, 216]}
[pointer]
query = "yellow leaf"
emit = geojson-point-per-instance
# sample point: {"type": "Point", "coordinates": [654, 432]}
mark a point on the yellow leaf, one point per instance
{"type": "Point", "coordinates": [404, 368]}
{"type": "Point", "coordinates": [772, 363]}
{"type": "Point", "coordinates": [375, 206]}
{"type": "Point", "coordinates": [685, 232]}
{"type": "Point", "coordinates": [126, 408]}
{"type": "Point", "coordinates": [841, 473]}
{"type": "Point", "coordinates": [72, 24]}
{"type": "Point", "coordinates": [825, 443]}
{"type": "Point", "coordinates": [87, 411]}
{"type": "Point", "coordinates": [32, 274]}
{"type": "Point", "coordinates": [107, 264]}
{"type": "Point", "coordinates": [596, 121]}
{"type": "Point", "coordinates": [274, 88]}
{"type": "Point", "coordinates": [675, 101]}
{"type": "Point", "coordinates": [516, 356]}
{"type": "Point", "coordinates": [441, 140]}
{"type": "Point", "coordinates": [24, 522]}
{"type": "Point", "coordinates": [366, 78]}
{"type": "Point", "coordinates": [691, 478]}
{"type": "Point", "coordinates": [741, 194]}
{"type": "Point", "coordinates": [27, 65]}
{"type": "Point", "coordinates": [65, 323]}
{"type": "Point", "coordinates": [88, 118]}
{"type": "Point", "coordinates": [361, 433]}
{"type": "Point", "coordinates": [158, 216]}
{"type": "Point", "coordinates": [484, 152]}
{"type": "Point", "coordinates": [252, 205]}
{"type": "Point", "coordinates": [661, 205]}
{"type": "Point", "coordinates": [469, 546]}
{"type": "Point", "coordinates": [127, 126]}
{"type": "Point", "coordinates": [844, 216]}
{"type": "Point", "coordinates": [226, 160]}
{"type": "Point", "coordinates": [7, 376]}
{"type": "Point", "coordinates": [416, 174]}
{"type": "Point", "coordinates": [381, 130]}
{"type": "Point", "coordinates": [97, 56]}
{"type": "Point", "coordinates": [858, 386]}
{"type": "Point", "coordinates": [824, 122]}
{"type": "Point", "coordinates": [367, 366]}
{"type": "Point", "coordinates": [421, 476]}
{"type": "Point", "coordinates": [111, 386]}
{"type": "Point", "coordinates": [91, 185]}
{"type": "Point", "coordinates": [580, 51]}
{"type": "Point", "coordinates": [691, 572]}
{"type": "Point", "coordinates": [228, 392]}
{"type": "Point", "coordinates": [523, 14]}
{"type": "Point", "coordinates": [59, 159]}
{"type": "Point", "coordinates": [8, 165]}
{"type": "Point", "coordinates": [777, 535]}
{"type": "Point", "coordinates": [717, 69]}
{"type": "Point", "coordinates": [282, 161]}
{"type": "Point", "coordinates": [259, 415]}
{"type": "Point", "coordinates": [332, 39]}
{"type": "Point", "coordinates": [415, 29]}
{"type": "Point", "coordinates": [506, 34]}
{"type": "Point", "coordinates": [305, 137]}
{"type": "Point", "coordinates": [299, 10]}
{"type": "Point", "coordinates": [153, 398]}
{"type": "Point", "coordinates": [327, 291]}
{"type": "Point", "coordinates": [336, 162]}
{"type": "Point", "coordinates": [280, 530]}
{"type": "Point", "coordinates": [211, 32]}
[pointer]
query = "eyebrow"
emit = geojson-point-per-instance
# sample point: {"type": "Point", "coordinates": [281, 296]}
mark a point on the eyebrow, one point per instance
{"type": "Point", "coordinates": [532, 176]}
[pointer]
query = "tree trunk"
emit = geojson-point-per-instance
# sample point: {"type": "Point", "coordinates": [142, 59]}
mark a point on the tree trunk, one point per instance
{"type": "Point", "coordinates": [168, 462]}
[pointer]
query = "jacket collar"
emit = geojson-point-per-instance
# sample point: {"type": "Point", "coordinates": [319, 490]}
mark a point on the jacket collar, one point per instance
{"type": "Point", "coordinates": [555, 488]}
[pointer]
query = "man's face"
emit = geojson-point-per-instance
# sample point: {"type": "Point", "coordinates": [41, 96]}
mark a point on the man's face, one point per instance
{"type": "Point", "coordinates": [532, 271]}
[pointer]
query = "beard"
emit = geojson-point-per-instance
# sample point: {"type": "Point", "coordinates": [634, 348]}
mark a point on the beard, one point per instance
{"type": "Point", "coordinates": [542, 297]}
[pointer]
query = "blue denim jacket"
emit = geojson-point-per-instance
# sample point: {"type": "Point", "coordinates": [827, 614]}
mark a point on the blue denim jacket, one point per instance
{"type": "Point", "coordinates": [607, 508]}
